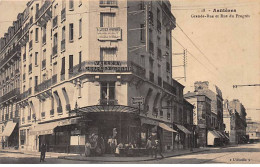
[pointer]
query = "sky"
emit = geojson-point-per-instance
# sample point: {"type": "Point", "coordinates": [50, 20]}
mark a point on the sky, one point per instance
{"type": "Point", "coordinates": [228, 49]}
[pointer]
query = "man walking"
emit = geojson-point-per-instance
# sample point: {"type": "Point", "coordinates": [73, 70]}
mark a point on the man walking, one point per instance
{"type": "Point", "coordinates": [43, 151]}
{"type": "Point", "coordinates": [149, 147]}
{"type": "Point", "coordinates": [158, 149]}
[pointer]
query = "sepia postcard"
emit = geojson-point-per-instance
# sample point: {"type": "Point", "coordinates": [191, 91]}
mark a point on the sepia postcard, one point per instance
{"type": "Point", "coordinates": [129, 82]}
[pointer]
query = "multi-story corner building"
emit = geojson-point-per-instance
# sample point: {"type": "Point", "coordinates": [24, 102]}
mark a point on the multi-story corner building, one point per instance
{"type": "Point", "coordinates": [237, 115]}
{"type": "Point", "coordinates": [10, 61]}
{"type": "Point", "coordinates": [201, 116]}
{"type": "Point", "coordinates": [253, 130]}
{"type": "Point", "coordinates": [85, 64]}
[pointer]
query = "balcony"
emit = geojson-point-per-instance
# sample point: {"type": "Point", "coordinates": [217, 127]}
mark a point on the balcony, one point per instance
{"type": "Point", "coordinates": [54, 79]}
{"type": "Point", "coordinates": [52, 112]}
{"type": "Point", "coordinates": [43, 86]}
{"type": "Point", "coordinates": [26, 94]}
{"type": "Point", "coordinates": [10, 95]}
{"type": "Point", "coordinates": [151, 47]}
{"type": "Point", "coordinates": [63, 45]}
{"type": "Point", "coordinates": [44, 39]}
{"type": "Point", "coordinates": [169, 88]}
{"type": "Point", "coordinates": [108, 3]}
{"type": "Point", "coordinates": [159, 81]}
{"type": "Point", "coordinates": [55, 22]}
{"type": "Point", "coordinates": [44, 64]}
{"type": "Point", "coordinates": [109, 102]}
{"type": "Point", "coordinates": [59, 109]}
{"type": "Point", "coordinates": [12, 54]}
{"type": "Point", "coordinates": [63, 14]}
{"type": "Point", "coordinates": [44, 13]}
{"type": "Point", "coordinates": [30, 45]}
{"type": "Point", "coordinates": [30, 68]}
{"type": "Point", "coordinates": [54, 50]}
{"type": "Point", "coordinates": [151, 76]}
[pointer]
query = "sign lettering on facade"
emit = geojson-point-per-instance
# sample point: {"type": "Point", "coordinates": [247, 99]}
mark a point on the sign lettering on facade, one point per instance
{"type": "Point", "coordinates": [108, 33]}
{"type": "Point", "coordinates": [137, 100]}
{"type": "Point", "coordinates": [108, 66]}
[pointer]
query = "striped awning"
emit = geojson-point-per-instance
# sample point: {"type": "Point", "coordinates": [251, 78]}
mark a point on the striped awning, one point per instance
{"type": "Point", "coordinates": [183, 129]}
{"type": "Point", "coordinates": [9, 128]}
{"type": "Point", "coordinates": [166, 127]}
{"type": "Point", "coordinates": [44, 129]}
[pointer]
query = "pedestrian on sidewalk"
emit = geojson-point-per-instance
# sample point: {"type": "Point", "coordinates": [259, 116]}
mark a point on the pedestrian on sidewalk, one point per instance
{"type": "Point", "coordinates": [43, 151]}
{"type": "Point", "coordinates": [158, 149]}
{"type": "Point", "coordinates": [149, 146]}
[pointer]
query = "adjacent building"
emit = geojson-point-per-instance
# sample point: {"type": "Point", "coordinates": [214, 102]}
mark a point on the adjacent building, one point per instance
{"type": "Point", "coordinates": [253, 130]}
{"type": "Point", "coordinates": [235, 121]}
{"type": "Point", "coordinates": [76, 68]}
{"type": "Point", "coordinates": [207, 114]}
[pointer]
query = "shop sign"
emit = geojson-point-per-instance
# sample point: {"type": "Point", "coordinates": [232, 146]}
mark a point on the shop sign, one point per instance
{"type": "Point", "coordinates": [76, 132]}
{"type": "Point", "coordinates": [108, 66]}
{"type": "Point", "coordinates": [109, 33]}
{"type": "Point", "coordinates": [137, 100]}
{"type": "Point", "coordinates": [67, 122]}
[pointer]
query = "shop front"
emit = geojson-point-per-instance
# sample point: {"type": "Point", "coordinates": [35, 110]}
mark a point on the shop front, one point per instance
{"type": "Point", "coordinates": [183, 137]}
{"type": "Point", "coordinates": [10, 137]}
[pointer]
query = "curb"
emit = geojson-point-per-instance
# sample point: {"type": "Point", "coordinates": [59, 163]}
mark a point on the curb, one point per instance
{"type": "Point", "coordinates": [150, 159]}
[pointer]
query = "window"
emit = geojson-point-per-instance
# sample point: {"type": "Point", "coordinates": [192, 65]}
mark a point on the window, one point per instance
{"type": "Point", "coordinates": [107, 20]}
{"type": "Point", "coordinates": [71, 63]}
{"type": "Point", "coordinates": [63, 66]}
{"type": "Point", "coordinates": [107, 92]}
{"type": "Point", "coordinates": [63, 33]}
{"type": "Point", "coordinates": [71, 4]}
{"type": "Point", "coordinates": [30, 82]}
{"type": "Point", "coordinates": [36, 59]}
{"type": "Point", "coordinates": [36, 34]}
{"type": "Point", "coordinates": [151, 63]}
{"type": "Point", "coordinates": [35, 80]}
{"type": "Point", "coordinates": [108, 54]}
{"type": "Point", "coordinates": [80, 57]}
{"type": "Point", "coordinates": [71, 32]}
{"type": "Point", "coordinates": [142, 60]}
{"type": "Point", "coordinates": [80, 28]}
{"type": "Point", "coordinates": [55, 39]}
{"type": "Point", "coordinates": [159, 70]}
{"type": "Point", "coordinates": [142, 32]}
{"type": "Point", "coordinates": [175, 113]}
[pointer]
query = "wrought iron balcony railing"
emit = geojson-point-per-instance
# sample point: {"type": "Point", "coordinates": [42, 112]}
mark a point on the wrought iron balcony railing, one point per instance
{"type": "Point", "coordinates": [169, 87]}
{"type": "Point", "coordinates": [43, 9]}
{"type": "Point", "coordinates": [110, 3]}
{"type": "Point", "coordinates": [42, 86]}
{"type": "Point", "coordinates": [12, 53]}
{"type": "Point", "coordinates": [10, 94]}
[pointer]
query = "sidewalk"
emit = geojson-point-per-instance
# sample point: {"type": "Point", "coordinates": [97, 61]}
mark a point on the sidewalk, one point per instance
{"type": "Point", "coordinates": [48, 154]}
{"type": "Point", "coordinates": [111, 158]}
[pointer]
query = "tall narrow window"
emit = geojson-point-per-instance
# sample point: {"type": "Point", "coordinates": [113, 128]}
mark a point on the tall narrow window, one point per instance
{"type": "Point", "coordinates": [71, 4]}
{"type": "Point", "coordinates": [63, 66]}
{"type": "Point", "coordinates": [36, 34]}
{"type": "Point", "coordinates": [71, 63]}
{"type": "Point", "coordinates": [142, 32]}
{"type": "Point", "coordinates": [107, 92]}
{"type": "Point", "coordinates": [107, 20]}
{"type": "Point", "coordinates": [108, 54]}
{"type": "Point", "coordinates": [36, 59]}
{"type": "Point", "coordinates": [71, 32]}
{"type": "Point", "coordinates": [35, 80]}
{"type": "Point", "coordinates": [80, 28]}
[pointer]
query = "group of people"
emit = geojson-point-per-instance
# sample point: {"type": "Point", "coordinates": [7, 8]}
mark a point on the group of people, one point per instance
{"type": "Point", "coordinates": [154, 147]}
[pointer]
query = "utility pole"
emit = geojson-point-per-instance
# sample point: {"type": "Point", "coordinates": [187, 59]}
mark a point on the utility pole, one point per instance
{"type": "Point", "coordinates": [183, 65]}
